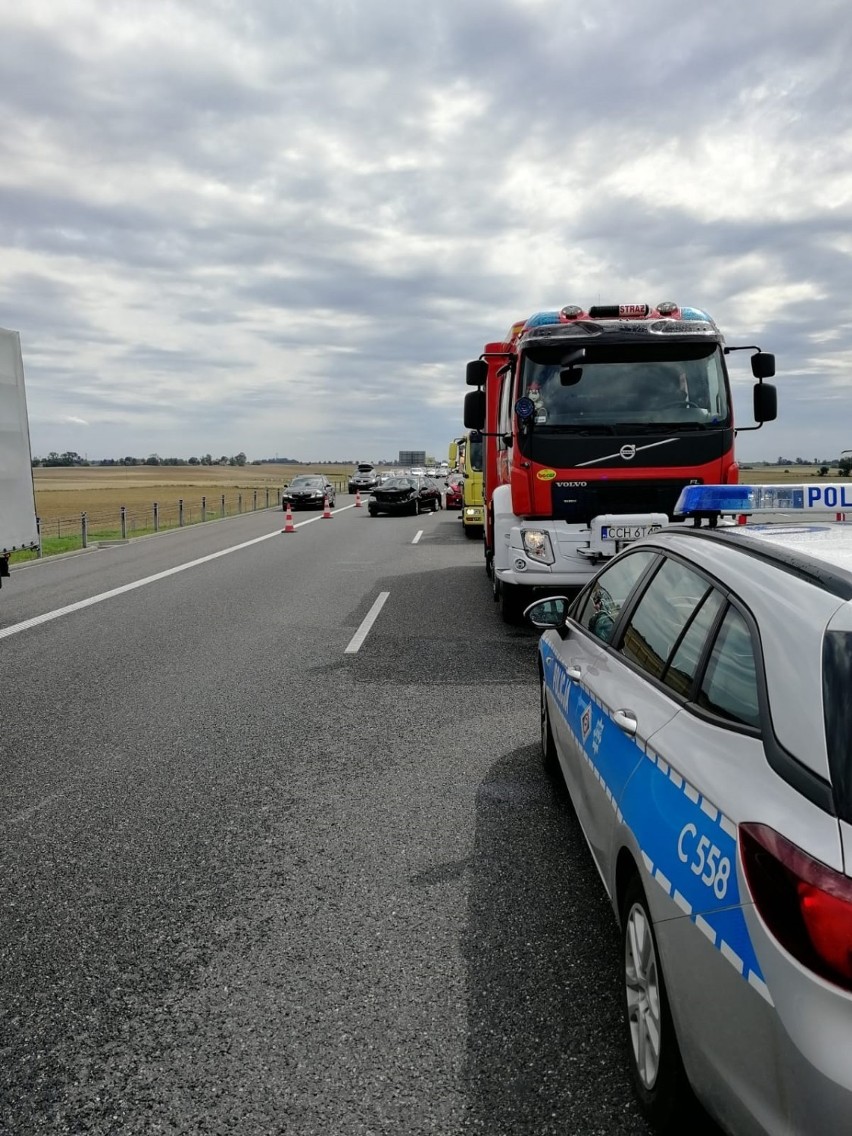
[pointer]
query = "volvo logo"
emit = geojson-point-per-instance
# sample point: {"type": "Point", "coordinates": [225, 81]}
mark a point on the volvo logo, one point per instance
{"type": "Point", "coordinates": [626, 453]}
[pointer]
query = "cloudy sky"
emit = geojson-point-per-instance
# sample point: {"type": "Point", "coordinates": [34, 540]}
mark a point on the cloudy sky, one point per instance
{"type": "Point", "coordinates": [284, 228]}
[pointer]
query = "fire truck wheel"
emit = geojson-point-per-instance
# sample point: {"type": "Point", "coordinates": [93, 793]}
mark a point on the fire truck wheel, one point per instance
{"type": "Point", "coordinates": [512, 603]}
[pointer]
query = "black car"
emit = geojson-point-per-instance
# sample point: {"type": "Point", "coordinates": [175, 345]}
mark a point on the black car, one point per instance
{"type": "Point", "coordinates": [308, 492]}
{"type": "Point", "coordinates": [405, 495]}
{"type": "Point", "coordinates": [364, 478]}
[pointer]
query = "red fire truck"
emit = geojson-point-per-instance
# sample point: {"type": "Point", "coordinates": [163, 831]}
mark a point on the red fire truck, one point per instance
{"type": "Point", "coordinates": [593, 421]}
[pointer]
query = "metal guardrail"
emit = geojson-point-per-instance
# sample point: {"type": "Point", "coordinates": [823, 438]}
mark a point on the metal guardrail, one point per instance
{"type": "Point", "coordinates": [123, 522]}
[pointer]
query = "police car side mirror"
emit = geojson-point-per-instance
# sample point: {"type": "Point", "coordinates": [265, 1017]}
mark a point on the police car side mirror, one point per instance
{"type": "Point", "coordinates": [548, 613]}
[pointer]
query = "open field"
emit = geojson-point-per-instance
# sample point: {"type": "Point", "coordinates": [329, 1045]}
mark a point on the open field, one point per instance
{"type": "Point", "coordinates": [64, 493]}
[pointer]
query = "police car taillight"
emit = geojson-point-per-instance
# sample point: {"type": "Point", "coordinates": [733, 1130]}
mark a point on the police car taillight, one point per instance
{"type": "Point", "coordinates": [805, 904]}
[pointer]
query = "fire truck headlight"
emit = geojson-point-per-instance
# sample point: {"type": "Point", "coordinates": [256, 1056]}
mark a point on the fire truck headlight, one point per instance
{"type": "Point", "coordinates": [537, 546]}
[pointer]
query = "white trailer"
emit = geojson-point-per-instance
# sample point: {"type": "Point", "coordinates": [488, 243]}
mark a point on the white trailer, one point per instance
{"type": "Point", "coordinates": [18, 529]}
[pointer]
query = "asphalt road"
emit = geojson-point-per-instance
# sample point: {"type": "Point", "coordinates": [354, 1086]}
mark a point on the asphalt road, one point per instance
{"type": "Point", "coordinates": [254, 884]}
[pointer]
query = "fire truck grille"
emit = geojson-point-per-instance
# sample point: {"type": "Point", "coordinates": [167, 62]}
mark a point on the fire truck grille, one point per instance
{"type": "Point", "coordinates": [579, 504]}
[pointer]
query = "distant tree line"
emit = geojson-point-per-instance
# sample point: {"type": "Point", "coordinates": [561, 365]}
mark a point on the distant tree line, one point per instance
{"type": "Point", "coordinates": [70, 458]}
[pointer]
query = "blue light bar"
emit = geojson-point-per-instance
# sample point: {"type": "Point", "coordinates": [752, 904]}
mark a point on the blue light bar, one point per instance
{"type": "Point", "coordinates": [698, 500]}
{"type": "Point", "coordinates": [541, 318]}
{"type": "Point", "coordinates": [696, 314]}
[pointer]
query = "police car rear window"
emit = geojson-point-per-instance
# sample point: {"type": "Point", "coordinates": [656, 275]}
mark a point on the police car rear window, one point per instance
{"type": "Point", "coordinates": [729, 686]}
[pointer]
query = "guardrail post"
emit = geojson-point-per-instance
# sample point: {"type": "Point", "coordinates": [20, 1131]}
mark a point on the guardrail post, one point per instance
{"type": "Point", "coordinates": [124, 522]}
{"type": "Point", "coordinates": [156, 517]}
{"type": "Point", "coordinates": [180, 513]}
{"type": "Point", "coordinates": [222, 506]}
{"type": "Point", "coordinates": [204, 508]}
{"type": "Point", "coordinates": [38, 530]}
{"type": "Point", "coordinates": [84, 530]}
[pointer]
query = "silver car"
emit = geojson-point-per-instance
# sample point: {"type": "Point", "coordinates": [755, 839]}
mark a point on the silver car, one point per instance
{"type": "Point", "coordinates": [696, 697]}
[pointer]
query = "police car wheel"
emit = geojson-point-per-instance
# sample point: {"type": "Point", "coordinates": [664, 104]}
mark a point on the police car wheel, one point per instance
{"type": "Point", "coordinates": [659, 1078]}
{"type": "Point", "coordinates": [548, 746]}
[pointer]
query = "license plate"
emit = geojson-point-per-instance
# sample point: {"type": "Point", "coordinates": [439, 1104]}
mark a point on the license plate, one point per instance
{"type": "Point", "coordinates": [627, 532]}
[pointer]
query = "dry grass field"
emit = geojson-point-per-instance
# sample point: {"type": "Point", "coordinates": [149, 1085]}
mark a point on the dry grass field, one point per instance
{"type": "Point", "coordinates": [63, 493]}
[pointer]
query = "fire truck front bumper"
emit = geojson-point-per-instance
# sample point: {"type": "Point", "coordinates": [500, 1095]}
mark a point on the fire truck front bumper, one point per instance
{"type": "Point", "coordinates": [551, 554]}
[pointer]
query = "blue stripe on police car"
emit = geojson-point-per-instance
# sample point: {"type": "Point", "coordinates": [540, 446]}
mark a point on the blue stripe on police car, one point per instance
{"type": "Point", "coordinates": [688, 846]}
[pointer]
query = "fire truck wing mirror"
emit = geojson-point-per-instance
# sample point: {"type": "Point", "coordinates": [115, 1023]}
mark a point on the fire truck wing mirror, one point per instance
{"type": "Point", "coordinates": [765, 402]}
{"type": "Point", "coordinates": [477, 373]}
{"type": "Point", "coordinates": [474, 410]}
{"type": "Point", "coordinates": [763, 365]}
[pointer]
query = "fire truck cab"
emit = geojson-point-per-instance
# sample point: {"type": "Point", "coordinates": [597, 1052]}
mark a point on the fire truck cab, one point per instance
{"type": "Point", "coordinates": [593, 421]}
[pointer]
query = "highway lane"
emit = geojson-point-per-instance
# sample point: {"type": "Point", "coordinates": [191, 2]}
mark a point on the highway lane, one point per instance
{"type": "Point", "coordinates": [256, 885]}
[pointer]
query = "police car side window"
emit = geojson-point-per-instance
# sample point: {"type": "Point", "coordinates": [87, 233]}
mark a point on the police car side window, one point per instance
{"type": "Point", "coordinates": [657, 626]}
{"type": "Point", "coordinates": [683, 665]}
{"type": "Point", "coordinates": [729, 685]}
{"type": "Point", "coordinates": [600, 605]}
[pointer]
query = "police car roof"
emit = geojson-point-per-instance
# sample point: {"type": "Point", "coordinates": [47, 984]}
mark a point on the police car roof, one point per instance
{"type": "Point", "coordinates": [819, 553]}
{"type": "Point", "coordinates": [795, 526]}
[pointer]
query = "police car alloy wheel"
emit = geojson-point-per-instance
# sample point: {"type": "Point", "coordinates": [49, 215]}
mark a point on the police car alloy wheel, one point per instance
{"type": "Point", "coordinates": [655, 1062]}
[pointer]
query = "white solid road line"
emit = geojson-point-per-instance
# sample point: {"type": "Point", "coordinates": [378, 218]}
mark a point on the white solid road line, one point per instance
{"type": "Point", "coordinates": [357, 640]}
{"type": "Point", "coordinates": [48, 616]}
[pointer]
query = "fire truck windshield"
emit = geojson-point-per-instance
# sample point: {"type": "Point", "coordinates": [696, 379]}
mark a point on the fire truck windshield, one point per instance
{"type": "Point", "coordinates": [676, 385]}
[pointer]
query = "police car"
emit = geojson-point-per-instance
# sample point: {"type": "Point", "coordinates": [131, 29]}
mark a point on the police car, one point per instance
{"type": "Point", "coordinates": [696, 697]}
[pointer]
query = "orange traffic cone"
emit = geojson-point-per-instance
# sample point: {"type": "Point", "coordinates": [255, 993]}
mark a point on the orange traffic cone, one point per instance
{"type": "Point", "coordinates": [288, 521]}
{"type": "Point", "coordinates": [326, 509]}
{"type": "Point", "coordinates": [357, 498]}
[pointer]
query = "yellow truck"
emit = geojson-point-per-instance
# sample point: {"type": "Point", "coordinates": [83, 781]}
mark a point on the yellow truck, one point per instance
{"type": "Point", "coordinates": [466, 457]}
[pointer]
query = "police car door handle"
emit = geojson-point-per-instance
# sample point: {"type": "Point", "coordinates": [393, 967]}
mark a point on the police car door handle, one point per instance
{"type": "Point", "coordinates": [574, 672]}
{"type": "Point", "coordinates": [625, 720]}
